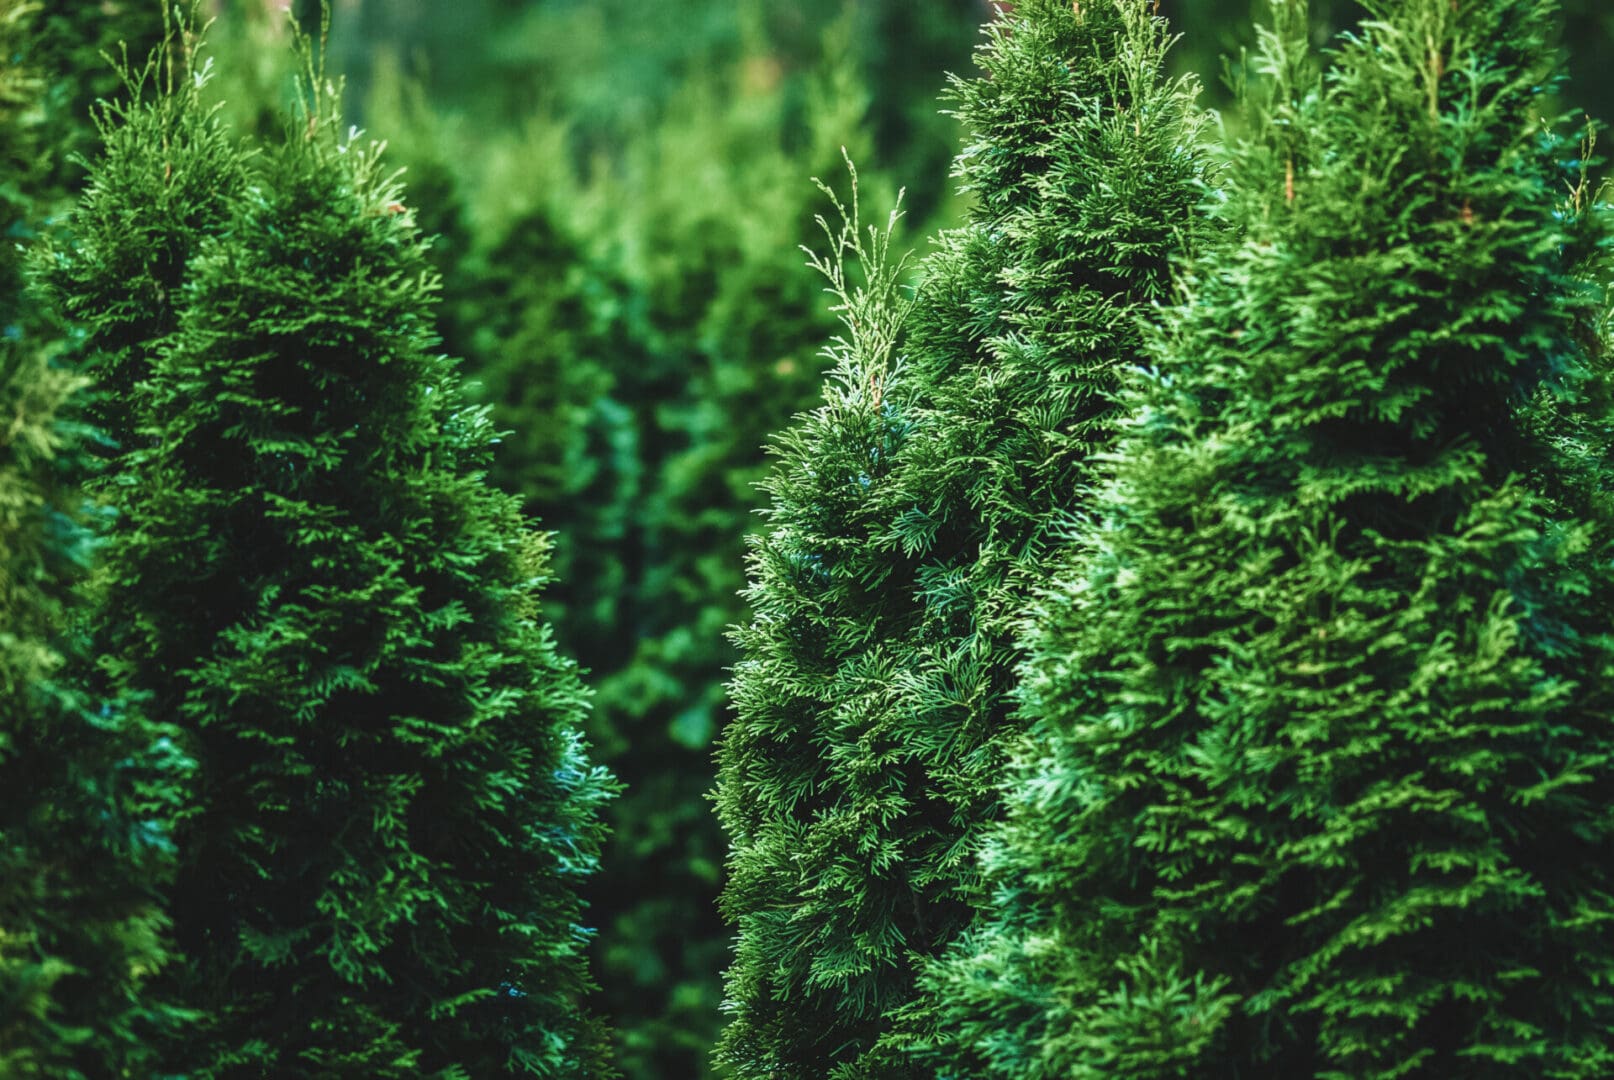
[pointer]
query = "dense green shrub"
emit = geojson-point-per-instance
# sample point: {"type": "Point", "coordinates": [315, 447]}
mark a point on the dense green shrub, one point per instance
{"type": "Point", "coordinates": [1319, 774]}
{"type": "Point", "coordinates": [1215, 31]}
{"type": "Point", "coordinates": [87, 785]}
{"type": "Point", "coordinates": [910, 517]}
{"type": "Point", "coordinates": [379, 862]}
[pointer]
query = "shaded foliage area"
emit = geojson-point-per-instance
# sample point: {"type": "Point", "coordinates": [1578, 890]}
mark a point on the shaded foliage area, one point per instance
{"type": "Point", "coordinates": [74, 43]}
{"type": "Point", "coordinates": [1283, 693]}
{"type": "Point", "coordinates": [722, 329]}
{"type": "Point", "coordinates": [87, 783]}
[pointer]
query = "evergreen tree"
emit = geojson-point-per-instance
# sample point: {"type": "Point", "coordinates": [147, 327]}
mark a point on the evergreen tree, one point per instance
{"type": "Point", "coordinates": [909, 516]}
{"type": "Point", "coordinates": [393, 807]}
{"type": "Point", "coordinates": [86, 784]}
{"type": "Point", "coordinates": [1213, 28]}
{"type": "Point", "coordinates": [1319, 776]}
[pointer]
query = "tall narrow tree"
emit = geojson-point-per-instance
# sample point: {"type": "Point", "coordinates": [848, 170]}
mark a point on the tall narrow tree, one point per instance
{"type": "Point", "coordinates": [87, 786]}
{"type": "Point", "coordinates": [908, 519]}
{"type": "Point", "coordinates": [1322, 760]}
{"type": "Point", "coordinates": [393, 807]}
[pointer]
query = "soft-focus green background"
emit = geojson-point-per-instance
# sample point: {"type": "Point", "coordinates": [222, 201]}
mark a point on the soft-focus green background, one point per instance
{"type": "Point", "coordinates": [620, 190]}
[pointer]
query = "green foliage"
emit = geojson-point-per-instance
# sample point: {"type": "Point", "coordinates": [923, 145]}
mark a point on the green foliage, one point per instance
{"type": "Point", "coordinates": [731, 323]}
{"type": "Point", "coordinates": [615, 69]}
{"type": "Point", "coordinates": [1320, 757]}
{"type": "Point", "coordinates": [626, 285]}
{"type": "Point", "coordinates": [86, 784]}
{"type": "Point", "coordinates": [1218, 29]}
{"type": "Point", "coordinates": [20, 90]}
{"type": "Point", "coordinates": [75, 39]}
{"type": "Point", "coordinates": [166, 178]}
{"type": "Point", "coordinates": [393, 809]}
{"type": "Point", "coordinates": [806, 570]}
{"type": "Point", "coordinates": [909, 517]}
{"type": "Point", "coordinates": [637, 346]}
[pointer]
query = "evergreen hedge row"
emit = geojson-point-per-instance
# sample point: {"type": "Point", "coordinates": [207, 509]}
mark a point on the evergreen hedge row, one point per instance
{"type": "Point", "coordinates": [1178, 640]}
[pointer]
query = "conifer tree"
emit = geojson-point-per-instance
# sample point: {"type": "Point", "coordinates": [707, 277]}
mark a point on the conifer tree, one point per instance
{"type": "Point", "coordinates": [87, 786]}
{"type": "Point", "coordinates": [907, 518]}
{"type": "Point", "coordinates": [393, 808]}
{"type": "Point", "coordinates": [1321, 758]}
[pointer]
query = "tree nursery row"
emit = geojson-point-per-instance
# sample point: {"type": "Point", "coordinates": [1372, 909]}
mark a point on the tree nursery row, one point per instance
{"type": "Point", "coordinates": [1171, 634]}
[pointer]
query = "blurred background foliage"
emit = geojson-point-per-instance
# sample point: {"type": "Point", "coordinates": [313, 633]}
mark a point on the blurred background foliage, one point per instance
{"type": "Point", "coordinates": [1214, 29]}
{"type": "Point", "coordinates": [619, 192]}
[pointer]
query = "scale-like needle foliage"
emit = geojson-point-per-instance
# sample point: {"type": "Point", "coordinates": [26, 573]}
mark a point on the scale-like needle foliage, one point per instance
{"type": "Point", "coordinates": [166, 177]}
{"type": "Point", "coordinates": [909, 518]}
{"type": "Point", "coordinates": [1320, 780]}
{"type": "Point", "coordinates": [312, 577]}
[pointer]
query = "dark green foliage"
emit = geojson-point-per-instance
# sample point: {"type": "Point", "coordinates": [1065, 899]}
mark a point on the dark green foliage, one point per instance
{"type": "Point", "coordinates": [732, 322]}
{"type": "Point", "coordinates": [558, 349]}
{"type": "Point", "coordinates": [1321, 757]}
{"type": "Point", "coordinates": [909, 518]}
{"type": "Point", "coordinates": [556, 342]}
{"type": "Point", "coordinates": [75, 39]}
{"type": "Point", "coordinates": [86, 785]}
{"type": "Point", "coordinates": [20, 182]}
{"type": "Point", "coordinates": [806, 592]}
{"type": "Point", "coordinates": [1588, 35]}
{"type": "Point", "coordinates": [393, 808]}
